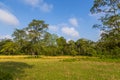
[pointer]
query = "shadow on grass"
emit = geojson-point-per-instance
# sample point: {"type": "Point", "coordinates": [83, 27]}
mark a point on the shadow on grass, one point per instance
{"type": "Point", "coordinates": [13, 70]}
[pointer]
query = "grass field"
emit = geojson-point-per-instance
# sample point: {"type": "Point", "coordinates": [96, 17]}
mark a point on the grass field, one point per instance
{"type": "Point", "coordinates": [60, 68]}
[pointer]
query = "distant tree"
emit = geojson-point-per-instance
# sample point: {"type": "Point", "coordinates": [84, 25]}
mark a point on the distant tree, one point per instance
{"type": "Point", "coordinates": [85, 47]}
{"type": "Point", "coordinates": [61, 43]}
{"type": "Point", "coordinates": [50, 39]}
{"type": "Point", "coordinates": [9, 48]}
{"type": "Point", "coordinates": [50, 44]}
{"type": "Point", "coordinates": [71, 48]}
{"type": "Point", "coordinates": [53, 40]}
{"type": "Point", "coordinates": [3, 42]}
{"type": "Point", "coordinates": [19, 36]}
{"type": "Point", "coordinates": [71, 44]}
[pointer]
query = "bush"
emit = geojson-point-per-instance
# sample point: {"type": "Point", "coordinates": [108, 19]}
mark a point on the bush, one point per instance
{"type": "Point", "coordinates": [70, 60]}
{"type": "Point", "coordinates": [74, 53]}
{"type": "Point", "coordinates": [115, 52]}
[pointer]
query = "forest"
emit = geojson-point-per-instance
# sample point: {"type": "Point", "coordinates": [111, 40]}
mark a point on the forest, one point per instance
{"type": "Point", "coordinates": [36, 40]}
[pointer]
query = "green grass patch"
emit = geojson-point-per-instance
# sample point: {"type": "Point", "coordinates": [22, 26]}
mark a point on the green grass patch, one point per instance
{"type": "Point", "coordinates": [5, 75]}
{"type": "Point", "coordinates": [60, 68]}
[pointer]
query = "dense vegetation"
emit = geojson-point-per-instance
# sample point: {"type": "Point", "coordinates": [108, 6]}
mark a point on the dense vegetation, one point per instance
{"type": "Point", "coordinates": [35, 40]}
{"type": "Point", "coordinates": [109, 44]}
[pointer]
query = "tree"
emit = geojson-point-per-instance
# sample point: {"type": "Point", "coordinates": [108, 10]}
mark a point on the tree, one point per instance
{"type": "Point", "coordinates": [9, 48]}
{"type": "Point", "coordinates": [61, 43]}
{"type": "Point", "coordinates": [3, 42]}
{"type": "Point", "coordinates": [36, 31]}
{"type": "Point", "coordinates": [20, 38]}
{"type": "Point", "coordinates": [50, 45]}
{"type": "Point", "coordinates": [29, 39]}
{"type": "Point", "coordinates": [111, 14]}
{"type": "Point", "coordinates": [71, 48]}
{"type": "Point", "coordinates": [110, 19]}
{"type": "Point", "coordinates": [50, 39]}
{"type": "Point", "coordinates": [85, 47]}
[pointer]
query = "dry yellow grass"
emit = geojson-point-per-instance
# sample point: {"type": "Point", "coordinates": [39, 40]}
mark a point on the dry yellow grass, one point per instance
{"type": "Point", "coordinates": [41, 56]}
{"type": "Point", "coordinates": [13, 57]}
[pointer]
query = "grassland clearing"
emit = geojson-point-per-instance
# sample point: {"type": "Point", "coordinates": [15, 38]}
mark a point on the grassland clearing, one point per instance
{"type": "Point", "coordinates": [61, 68]}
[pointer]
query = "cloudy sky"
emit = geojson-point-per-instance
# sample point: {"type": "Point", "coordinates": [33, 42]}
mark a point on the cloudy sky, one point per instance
{"type": "Point", "coordinates": [68, 18]}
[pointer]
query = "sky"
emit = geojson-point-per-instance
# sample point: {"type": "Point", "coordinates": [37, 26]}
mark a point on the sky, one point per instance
{"type": "Point", "coordinates": [68, 18]}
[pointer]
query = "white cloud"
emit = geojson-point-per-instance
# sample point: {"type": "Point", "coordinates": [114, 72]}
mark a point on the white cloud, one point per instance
{"type": "Point", "coordinates": [33, 3]}
{"type": "Point", "coordinates": [53, 28]}
{"type": "Point", "coordinates": [5, 37]}
{"type": "Point", "coordinates": [44, 6]}
{"type": "Point", "coordinates": [8, 18]}
{"type": "Point", "coordinates": [73, 22]}
{"type": "Point", "coordinates": [70, 31]}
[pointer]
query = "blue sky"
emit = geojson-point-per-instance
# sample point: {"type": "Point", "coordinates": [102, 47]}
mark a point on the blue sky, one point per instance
{"type": "Point", "coordinates": [68, 18]}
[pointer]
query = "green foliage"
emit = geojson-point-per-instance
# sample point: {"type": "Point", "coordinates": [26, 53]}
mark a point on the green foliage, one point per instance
{"type": "Point", "coordinates": [85, 47]}
{"type": "Point", "coordinates": [109, 43]}
{"type": "Point", "coordinates": [12, 70]}
{"type": "Point", "coordinates": [9, 48]}
{"type": "Point", "coordinates": [19, 36]}
{"type": "Point", "coordinates": [114, 53]}
{"type": "Point", "coordinates": [36, 30]}
{"type": "Point", "coordinates": [61, 43]}
{"type": "Point", "coordinates": [74, 53]}
{"type": "Point", "coordinates": [29, 38]}
{"type": "Point", "coordinates": [5, 75]}
{"type": "Point", "coordinates": [50, 51]}
{"type": "Point", "coordinates": [50, 39]}
{"type": "Point", "coordinates": [70, 60]}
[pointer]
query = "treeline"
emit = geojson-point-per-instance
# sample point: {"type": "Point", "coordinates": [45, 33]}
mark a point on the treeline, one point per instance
{"type": "Point", "coordinates": [55, 47]}
{"type": "Point", "coordinates": [35, 40]}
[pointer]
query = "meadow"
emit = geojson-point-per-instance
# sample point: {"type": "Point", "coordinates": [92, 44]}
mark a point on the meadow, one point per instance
{"type": "Point", "coordinates": [58, 68]}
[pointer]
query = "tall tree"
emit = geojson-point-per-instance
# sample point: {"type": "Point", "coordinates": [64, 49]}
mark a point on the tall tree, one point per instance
{"type": "Point", "coordinates": [36, 30]}
{"type": "Point", "coordinates": [110, 19]}
{"type": "Point", "coordinates": [110, 10]}
{"type": "Point", "coordinates": [71, 48]}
